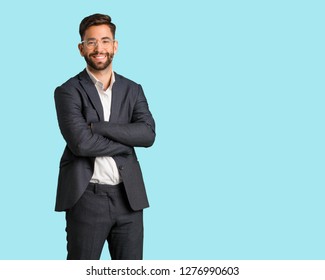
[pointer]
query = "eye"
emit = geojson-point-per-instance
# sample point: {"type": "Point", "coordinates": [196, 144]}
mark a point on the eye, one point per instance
{"type": "Point", "coordinates": [106, 41]}
{"type": "Point", "coordinates": [91, 43]}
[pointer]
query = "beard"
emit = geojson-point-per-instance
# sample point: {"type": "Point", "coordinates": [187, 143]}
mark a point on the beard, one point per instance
{"type": "Point", "coordinates": [99, 65]}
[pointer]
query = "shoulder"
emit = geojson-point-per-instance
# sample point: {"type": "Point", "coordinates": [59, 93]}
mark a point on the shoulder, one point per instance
{"type": "Point", "coordinates": [123, 80]}
{"type": "Point", "coordinates": [72, 84]}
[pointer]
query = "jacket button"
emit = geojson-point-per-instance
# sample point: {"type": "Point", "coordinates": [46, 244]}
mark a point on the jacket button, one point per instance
{"type": "Point", "coordinates": [121, 167]}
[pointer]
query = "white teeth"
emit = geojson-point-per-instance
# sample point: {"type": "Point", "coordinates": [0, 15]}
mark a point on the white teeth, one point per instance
{"type": "Point", "coordinates": [99, 56]}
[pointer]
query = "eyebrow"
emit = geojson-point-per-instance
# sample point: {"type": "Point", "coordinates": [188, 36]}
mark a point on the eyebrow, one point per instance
{"type": "Point", "coordinates": [100, 38]}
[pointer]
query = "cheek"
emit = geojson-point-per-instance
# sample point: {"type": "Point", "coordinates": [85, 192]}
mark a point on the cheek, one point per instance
{"type": "Point", "coordinates": [84, 53]}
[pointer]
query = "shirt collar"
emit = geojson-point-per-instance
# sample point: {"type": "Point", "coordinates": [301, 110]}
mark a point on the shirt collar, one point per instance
{"type": "Point", "coordinates": [98, 82]}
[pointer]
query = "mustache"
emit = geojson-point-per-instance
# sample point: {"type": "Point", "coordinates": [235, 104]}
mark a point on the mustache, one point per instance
{"type": "Point", "coordinates": [97, 53]}
{"type": "Point", "coordinates": [100, 53]}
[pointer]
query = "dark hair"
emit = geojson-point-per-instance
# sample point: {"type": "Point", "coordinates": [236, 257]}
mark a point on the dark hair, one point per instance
{"type": "Point", "coordinates": [96, 19]}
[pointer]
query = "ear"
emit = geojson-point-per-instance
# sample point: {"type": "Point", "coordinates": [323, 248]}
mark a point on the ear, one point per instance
{"type": "Point", "coordinates": [81, 49]}
{"type": "Point", "coordinates": [115, 47]}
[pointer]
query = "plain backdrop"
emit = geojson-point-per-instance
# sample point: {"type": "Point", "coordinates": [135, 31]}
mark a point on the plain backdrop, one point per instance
{"type": "Point", "coordinates": [237, 91]}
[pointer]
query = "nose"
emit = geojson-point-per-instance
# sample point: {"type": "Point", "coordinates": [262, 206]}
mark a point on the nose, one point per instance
{"type": "Point", "coordinates": [98, 45]}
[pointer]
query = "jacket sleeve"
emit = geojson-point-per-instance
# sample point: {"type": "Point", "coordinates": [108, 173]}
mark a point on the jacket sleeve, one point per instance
{"type": "Point", "coordinates": [76, 131]}
{"type": "Point", "coordinates": [139, 133]}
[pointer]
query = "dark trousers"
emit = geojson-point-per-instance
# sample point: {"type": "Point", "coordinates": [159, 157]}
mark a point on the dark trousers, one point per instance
{"type": "Point", "coordinates": [103, 214]}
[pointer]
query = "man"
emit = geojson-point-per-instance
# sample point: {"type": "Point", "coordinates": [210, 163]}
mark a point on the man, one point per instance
{"type": "Point", "coordinates": [102, 117]}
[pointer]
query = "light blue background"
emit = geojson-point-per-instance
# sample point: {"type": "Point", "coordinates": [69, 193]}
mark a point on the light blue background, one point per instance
{"type": "Point", "coordinates": [237, 91]}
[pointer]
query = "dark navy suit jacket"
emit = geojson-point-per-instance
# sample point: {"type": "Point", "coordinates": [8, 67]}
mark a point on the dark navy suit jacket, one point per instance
{"type": "Point", "coordinates": [81, 121]}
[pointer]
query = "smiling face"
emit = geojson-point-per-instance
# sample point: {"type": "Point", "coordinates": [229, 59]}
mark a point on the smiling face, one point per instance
{"type": "Point", "coordinates": [98, 47]}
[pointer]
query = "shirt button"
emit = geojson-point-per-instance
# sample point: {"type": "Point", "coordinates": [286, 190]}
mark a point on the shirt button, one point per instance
{"type": "Point", "coordinates": [121, 167]}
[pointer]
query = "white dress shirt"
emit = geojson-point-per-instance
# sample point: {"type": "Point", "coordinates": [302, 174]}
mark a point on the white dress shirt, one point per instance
{"type": "Point", "coordinates": [105, 170]}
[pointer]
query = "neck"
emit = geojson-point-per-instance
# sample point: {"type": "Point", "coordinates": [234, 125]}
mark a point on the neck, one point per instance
{"type": "Point", "coordinates": [104, 76]}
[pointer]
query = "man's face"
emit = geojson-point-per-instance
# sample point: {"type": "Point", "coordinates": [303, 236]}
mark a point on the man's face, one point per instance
{"type": "Point", "coordinates": [98, 47]}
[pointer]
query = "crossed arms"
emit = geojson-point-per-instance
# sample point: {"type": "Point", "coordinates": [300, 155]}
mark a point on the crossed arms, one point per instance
{"type": "Point", "coordinates": [102, 138]}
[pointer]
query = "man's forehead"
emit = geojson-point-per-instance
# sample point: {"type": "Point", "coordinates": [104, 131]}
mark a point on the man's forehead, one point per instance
{"type": "Point", "coordinates": [100, 31]}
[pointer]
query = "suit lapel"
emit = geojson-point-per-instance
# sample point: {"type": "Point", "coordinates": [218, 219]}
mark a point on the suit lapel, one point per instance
{"type": "Point", "coordinates": [91, 91]}
{"type": "Point", "coordinates": [116, 98]}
